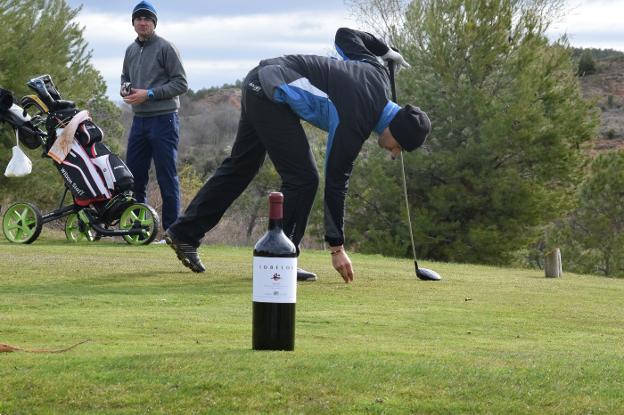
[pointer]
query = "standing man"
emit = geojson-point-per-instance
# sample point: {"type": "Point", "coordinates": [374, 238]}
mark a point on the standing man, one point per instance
{"type": "Point", "coordinates": [347, 98]}
{"type": "Point", "coordinates": [152, 79]}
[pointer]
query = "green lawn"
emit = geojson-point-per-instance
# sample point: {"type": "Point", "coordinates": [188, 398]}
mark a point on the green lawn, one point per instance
{"type": "Point", "coordinates": [165, 340]}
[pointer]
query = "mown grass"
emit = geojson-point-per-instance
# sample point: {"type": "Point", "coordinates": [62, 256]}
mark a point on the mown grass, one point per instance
{"type": "Point", "coordinates": [164, 340]}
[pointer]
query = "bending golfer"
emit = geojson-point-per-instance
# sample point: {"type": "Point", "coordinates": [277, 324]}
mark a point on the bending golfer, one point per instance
{"type": "Point", "coordinates": [347, 98]}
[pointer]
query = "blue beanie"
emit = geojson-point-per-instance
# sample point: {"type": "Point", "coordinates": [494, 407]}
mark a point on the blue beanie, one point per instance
{"type": "Point", "coordinates": [145, 9]}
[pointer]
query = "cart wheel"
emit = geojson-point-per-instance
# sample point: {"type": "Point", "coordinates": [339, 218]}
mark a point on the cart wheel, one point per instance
{"type": "Point", "coordinates": [140, 215]}
{"type": "Point", "coordinates": [22, 223]}
{"type": "Point", "coordinates": [77, 231]}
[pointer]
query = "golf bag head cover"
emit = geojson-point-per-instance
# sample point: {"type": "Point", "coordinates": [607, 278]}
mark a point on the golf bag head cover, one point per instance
{"type": "Point", "coordinates": [29, 135]}
{"type": "Point", "coordinates": [6, 99]}
{"type": "Point", "coordinates": [48, 94]}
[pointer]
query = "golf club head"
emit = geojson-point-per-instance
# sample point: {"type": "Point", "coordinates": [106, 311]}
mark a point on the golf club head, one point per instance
{"type": "Point", "coordinates": [427, 274]}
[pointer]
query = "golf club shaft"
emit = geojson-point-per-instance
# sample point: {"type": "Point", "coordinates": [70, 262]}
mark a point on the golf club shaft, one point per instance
{"type": "Point", "coordinates": [407, 209]}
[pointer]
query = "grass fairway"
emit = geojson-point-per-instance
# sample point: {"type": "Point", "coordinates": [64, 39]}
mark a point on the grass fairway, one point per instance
{"type": "Point", "coordinates": [164, 340]}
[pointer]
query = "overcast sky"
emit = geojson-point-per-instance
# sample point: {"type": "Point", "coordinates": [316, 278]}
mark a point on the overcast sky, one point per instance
{"type": "Point", "coordinates": [221, 40]}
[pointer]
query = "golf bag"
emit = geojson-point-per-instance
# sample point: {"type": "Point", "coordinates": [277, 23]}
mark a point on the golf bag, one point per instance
{"type": "Point", "coordinates": [91, 172]}
{"type": "Point", "coordinates": [99, 181]}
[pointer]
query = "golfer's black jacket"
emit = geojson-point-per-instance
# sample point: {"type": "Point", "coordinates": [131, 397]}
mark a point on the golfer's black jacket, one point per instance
{"type": "Point", "coordinates": [347, 98]}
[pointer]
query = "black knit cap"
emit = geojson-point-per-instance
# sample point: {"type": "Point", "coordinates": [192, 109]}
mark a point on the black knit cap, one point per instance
{"type": "Point", "coordinates": [145, 9]}
{"type": "Point", "coordinates": [410, 127]}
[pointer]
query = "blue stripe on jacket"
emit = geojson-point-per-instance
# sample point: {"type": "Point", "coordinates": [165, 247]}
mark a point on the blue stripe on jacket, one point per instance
{"type": "Point", "coordinates": [387, 115]}
{"type": "Point", "coordinates": [312, 105]}
{"type": "Point", "coordinates": [341, 53]}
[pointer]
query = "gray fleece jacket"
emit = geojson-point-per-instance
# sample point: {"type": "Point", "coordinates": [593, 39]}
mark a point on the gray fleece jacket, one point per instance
{"type": "Point", "coordinates": [155, 64]}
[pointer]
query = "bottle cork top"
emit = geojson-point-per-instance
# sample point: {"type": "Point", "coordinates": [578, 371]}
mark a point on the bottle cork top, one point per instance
{"type": "Point", "coordinates": [276, 202]}
{"type": "Point", "coordinates": [276, 197]}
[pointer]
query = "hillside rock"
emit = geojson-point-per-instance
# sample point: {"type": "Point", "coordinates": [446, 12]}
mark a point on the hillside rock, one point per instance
{"type": "Point", "coordinates": [229, 97]}
{"type": "Point", "coordinates": [606, 87]}
{"type": "Point", "coordinates": [206, 102]}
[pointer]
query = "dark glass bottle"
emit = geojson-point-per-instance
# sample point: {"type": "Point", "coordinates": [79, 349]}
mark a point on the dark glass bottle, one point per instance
{"type": "Point", "coordinates": [274, 284]}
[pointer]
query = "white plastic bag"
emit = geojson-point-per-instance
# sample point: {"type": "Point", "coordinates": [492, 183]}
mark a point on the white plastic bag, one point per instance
{"type": "Point", "coordinates": [19, 165]}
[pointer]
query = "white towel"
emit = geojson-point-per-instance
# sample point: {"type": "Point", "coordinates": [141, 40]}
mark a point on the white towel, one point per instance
{"type": "Point", "coordinates": [62, 145]}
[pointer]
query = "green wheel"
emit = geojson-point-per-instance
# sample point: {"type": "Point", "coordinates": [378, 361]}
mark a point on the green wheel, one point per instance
{"type": "Point", "coordinates": [140, 215]}
{"type": "Point", "coordinates": [77, 231]}
{"type": "Point", "coordinates": [22, 223]}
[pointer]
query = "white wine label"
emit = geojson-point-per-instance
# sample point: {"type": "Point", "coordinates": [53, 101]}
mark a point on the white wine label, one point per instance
{"type": "Point", "coordinates": [274, 280]}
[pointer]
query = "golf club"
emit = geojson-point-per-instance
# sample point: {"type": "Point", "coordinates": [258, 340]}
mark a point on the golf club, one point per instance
{"type": "Point", "coordinates": [424, 274]}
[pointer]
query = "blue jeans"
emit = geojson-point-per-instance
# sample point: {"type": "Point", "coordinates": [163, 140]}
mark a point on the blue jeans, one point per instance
{"type": "Point", "coordinates": [156, 138]}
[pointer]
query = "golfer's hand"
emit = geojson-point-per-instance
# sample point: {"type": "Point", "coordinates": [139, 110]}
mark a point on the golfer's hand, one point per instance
{"type": "Point", "coordinates": [342, 264]}
{"type": "Point", "coordinates": [396, 58]}
{"type": "Point", "coordinates": [138, 96]}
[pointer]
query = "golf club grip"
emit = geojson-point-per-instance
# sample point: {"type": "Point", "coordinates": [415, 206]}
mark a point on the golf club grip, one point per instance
{"type": "Point", "coordinates": [392, 84]}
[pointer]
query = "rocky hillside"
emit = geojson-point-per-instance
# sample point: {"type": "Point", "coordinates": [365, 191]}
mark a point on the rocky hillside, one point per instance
{"type": "Point", "coordinates": [203, 102]}
{"type": "Point", "coordinates": [606, 87]}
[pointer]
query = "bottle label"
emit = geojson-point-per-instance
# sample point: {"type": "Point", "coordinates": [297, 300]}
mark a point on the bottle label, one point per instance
{"type": "Point", "coordinates": [274, 280]}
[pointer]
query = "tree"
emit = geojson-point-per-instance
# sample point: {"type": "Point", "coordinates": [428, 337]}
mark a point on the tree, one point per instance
{"type": "Point", "coordinates": [508, 125]}
{"type": "Point", "coordinates": [384, 17]}
{"type": "Point", "coordinates": [42, 37]}
{"type": "Point", "coordinates": [587, 65]}
{"type": "Point", "coordinates": [594, 235]}
{"type": "Point", "coordinates": [375, 217]}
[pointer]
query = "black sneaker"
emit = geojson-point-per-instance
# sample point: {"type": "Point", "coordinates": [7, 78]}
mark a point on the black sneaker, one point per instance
{"type": "Point", "coordinates": [303, 275]}
{"type": "Point", "coordinates": [186, 253]}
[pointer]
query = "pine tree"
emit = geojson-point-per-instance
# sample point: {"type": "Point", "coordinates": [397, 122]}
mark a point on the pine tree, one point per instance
{"type": "Point", "coordinates": [594, 236]}
{"type": "Point", "coordinates": [587, 65]}
{"type": "Point", "coordinates": [508, 126]}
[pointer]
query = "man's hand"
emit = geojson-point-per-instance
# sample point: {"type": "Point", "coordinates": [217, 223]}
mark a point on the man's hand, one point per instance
{"type": "Point", "coordinates": [136, 97]}
{"type": "Point", "coordinates": [397, 58]}
{"type": "Point", "coordinates": [342, 263]}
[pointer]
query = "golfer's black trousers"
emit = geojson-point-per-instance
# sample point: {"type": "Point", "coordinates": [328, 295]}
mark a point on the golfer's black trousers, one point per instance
{"type": "Point", "coordinates": [264, 128]}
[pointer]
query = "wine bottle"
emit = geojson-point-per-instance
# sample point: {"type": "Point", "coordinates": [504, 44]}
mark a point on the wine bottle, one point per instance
{"type": "Point", "coordinates": [274, 284]}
